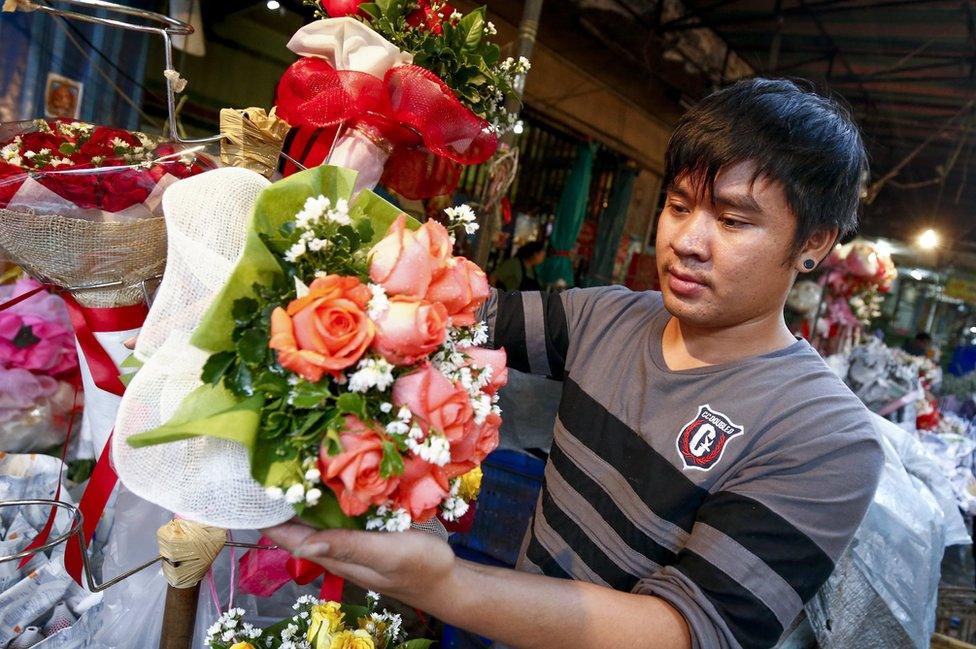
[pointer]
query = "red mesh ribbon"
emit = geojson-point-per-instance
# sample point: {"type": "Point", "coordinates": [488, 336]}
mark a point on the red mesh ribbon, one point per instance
{"type": "Point", "coordinates": [410, 111]}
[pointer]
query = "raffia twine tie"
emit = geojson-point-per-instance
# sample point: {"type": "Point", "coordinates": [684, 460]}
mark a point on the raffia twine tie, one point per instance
{"type": "Point", "coordinates": [192, 547]}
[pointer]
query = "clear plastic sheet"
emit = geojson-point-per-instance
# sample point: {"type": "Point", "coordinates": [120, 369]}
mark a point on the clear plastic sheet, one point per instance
{"type": "Point", "coordinates": [883, 591]}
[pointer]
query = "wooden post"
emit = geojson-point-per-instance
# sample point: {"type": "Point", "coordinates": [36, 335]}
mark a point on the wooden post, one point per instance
{"type": "Point", "coordinates": [188, 549]}
{"type": "Point", "coordinates": [179, 617]}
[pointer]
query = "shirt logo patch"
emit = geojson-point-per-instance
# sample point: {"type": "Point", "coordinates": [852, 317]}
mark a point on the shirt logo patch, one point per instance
{"type": "Point", "coordinates": [703, 439]}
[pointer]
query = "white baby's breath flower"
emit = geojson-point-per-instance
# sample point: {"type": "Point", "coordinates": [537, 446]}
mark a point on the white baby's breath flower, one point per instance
{"type": "Point", "coordinates": [398, 428]}
{"type": "Point", "coordinates": [435, 449]}
{"type": "Point", "coordinates": [275, 493]}
{"type": "Point", "coordinates": [386, 407]}
{"type": "Point", "coordinates": [30, 154]}
{"type": "Point", "coordinates": [316, 244]}
{"type": "Point", "coordinates": [313, 475]}
{"type": "Point", "coordinates": [454, 508]}
{"type": "Point", "coordinates": [295, 494]}
{"type": "Point", "coordinates": [378, 304]}
{"type": "Point", "coordinates": [482, 407]}
{"type": "Point", "coordinates": [312, 497]}
{"type": "Point", "coordinates": [404, 414]}
{"type": "Point", "coordinates": [296, 251]}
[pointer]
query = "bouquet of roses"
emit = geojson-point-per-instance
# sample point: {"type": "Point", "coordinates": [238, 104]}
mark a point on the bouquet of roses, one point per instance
{"type": "Point", "coordinates": [346, 358]}
{"type": "Point", "coordinates": [404, 93]}
{"type": "Point", "coordinates": [316, 624]}
{"type": "Point", "coordinates": [73, 167]}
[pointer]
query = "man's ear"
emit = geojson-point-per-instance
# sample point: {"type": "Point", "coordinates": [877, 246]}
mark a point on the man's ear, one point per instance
{"type": "Point", "coordinates": [815, 249]}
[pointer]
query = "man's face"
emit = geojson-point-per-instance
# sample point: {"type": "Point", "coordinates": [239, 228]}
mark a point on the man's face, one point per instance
{"type": "Point", "coordinates": [722, 258]}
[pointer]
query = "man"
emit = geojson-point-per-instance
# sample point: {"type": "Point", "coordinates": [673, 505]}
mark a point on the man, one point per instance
{"type": "Point", "coordinates": [707, 469]}
{"type": "Point", "coordinates": [518, 273]}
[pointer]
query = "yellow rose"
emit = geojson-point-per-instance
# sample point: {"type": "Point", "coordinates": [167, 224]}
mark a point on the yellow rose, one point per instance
{"type": "Point", "coordinates": [470, 484]}
{"type": "Point", "coordinates": [242, 645]}
{"type": "Point", "coordinates": [357, 639]}
{"type": "Point", "coordinates": [326, 619]}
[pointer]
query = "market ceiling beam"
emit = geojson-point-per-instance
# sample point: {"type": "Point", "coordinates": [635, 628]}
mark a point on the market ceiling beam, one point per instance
{"type": "Point", "coordinates": [701, 21]}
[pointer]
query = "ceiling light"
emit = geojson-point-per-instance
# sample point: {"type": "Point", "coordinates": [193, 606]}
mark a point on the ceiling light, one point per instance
{"type": "Point", "coordinates": [916, 274]}
{"type": "Point", "coordinates": [518, 128]}
{"type": "Point", "coordinates": [928, 240]}
{"type": "Point", "coordinates": [273, 5]}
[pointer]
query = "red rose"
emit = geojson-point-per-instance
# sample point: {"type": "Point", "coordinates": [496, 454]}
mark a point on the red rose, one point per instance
{"type": "Point", "coordinates": [339, 8]}
{"type": "Point", "coordinates": [79, 188]}
{"type": "Point", "coordinates": [124, 187]}
{"type": "Point", "coordinates": [427, 18]}
{"type": "Point", "coordinates": [36, 141]}
{"type": "Point", "coordinates": [11, 178]}
{"type": "Point", "coordinates": [101, 142]}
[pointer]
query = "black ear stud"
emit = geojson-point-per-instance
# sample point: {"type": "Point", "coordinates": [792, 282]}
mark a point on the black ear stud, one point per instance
{"type": "Point", "coordinates": [809, 264]}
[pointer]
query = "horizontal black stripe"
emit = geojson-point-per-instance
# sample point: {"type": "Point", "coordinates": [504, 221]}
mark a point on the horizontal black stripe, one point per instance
{"type": "Point", "coordinates": [509, 330]}
{"type": "Point", "coordinates": [749, 620]}
{"type": "Point", "coordinates": [588, 551]}
{"type": "Point", "coordinates": [662, 487]}
{"type": "Point", "coordinates": [601, 501]}
{"type": "Point", "coordinates": [557, 334]}
{"type": "Point", "coordinates": [785, 549]}
{"type": "Point", "coordinates": [541, 558]}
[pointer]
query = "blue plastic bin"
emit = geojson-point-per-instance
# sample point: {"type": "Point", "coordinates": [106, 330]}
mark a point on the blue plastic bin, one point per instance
{"type": "Point", "coordinates": [509, 491]}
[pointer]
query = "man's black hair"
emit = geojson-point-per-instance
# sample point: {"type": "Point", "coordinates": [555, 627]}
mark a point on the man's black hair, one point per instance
{"type": "Point", "coordinates": [807, 142]}
{"type": "Point", "coordinates": [530, 249]}
{"type": "Point", "coordinates": [923, 337]}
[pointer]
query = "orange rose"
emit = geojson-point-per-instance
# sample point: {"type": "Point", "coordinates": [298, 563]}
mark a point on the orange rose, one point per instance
{"type": "Point", "coordinates": [462, 287]}
{"type": "Point", "coordinates": [324, 331]}
{"type": "Point", "coordinates": [409, 330]}
{"type": "Point", "coordinates": [423, 487]}
{"type": "Point", "coordinates": [354, 474]}
{"type": "Point", "coordinates": [481, 357]}
{"type": "Point", "coordinates": [439, 244]}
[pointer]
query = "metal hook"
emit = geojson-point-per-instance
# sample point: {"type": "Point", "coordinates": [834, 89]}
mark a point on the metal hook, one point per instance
{"type": "Point", "coordinates": [75, 529]}
{"type": "Point", "coordinates": [171, 27]}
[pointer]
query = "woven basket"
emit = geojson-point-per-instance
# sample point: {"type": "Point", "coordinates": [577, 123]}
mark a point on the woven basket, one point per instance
{"type": "Point", "coordinates": [955, 618]}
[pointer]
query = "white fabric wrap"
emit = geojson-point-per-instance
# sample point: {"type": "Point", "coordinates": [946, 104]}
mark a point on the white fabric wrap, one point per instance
{"type": "Point", "coordinates": [202, 479]}
{"type": "Point", "coordinates": [348, 44]}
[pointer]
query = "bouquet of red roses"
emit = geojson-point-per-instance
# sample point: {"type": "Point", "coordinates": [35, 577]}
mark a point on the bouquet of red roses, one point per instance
{"type": "Point", "coordinates": [344, 356]}
{"type": "Point", "coordinates": [74, 167]}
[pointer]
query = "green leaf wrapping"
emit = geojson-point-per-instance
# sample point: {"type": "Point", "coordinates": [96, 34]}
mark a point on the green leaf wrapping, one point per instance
{"type": "Point", "coordinates": [212, 409]}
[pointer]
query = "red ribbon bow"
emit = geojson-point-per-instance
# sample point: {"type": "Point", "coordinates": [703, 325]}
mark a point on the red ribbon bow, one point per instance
{"type": "Point", "coordinates": [410, 111]}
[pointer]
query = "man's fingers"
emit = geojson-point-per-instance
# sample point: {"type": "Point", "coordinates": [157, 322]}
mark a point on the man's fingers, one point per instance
{"type": "Point", "coordinates": [289, 535]}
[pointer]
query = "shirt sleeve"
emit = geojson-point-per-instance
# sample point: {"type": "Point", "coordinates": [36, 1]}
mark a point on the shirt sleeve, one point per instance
{"type": "Point", "coordinates": [535, 327]}
{"type": "Point", "coordinates": [762, 547]}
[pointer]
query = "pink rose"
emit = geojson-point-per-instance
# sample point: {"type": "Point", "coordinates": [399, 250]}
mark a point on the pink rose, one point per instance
{"type": "Point", "coordinates": [439, 244]}
{"type": "Point", "coordinates": [401, 261]}
{"type": "Point", "coordinates": [497, 359]}
{"type": "Point", "coordinates": [462, 287]}
{"type": "Point", "coordinates": [478, 441]}
{"type": "Point", "coordinates": [354, 474]}
{"type": "Point", "coordinates": [409, 330]}
{"type": "Point", "coordinates": [432, 397]}
{"type": "Point", "coordinates": [423, 487]}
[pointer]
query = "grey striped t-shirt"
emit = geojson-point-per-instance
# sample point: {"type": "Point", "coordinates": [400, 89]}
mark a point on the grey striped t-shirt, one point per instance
{"type": "Point", "coordinates": [727, 490]}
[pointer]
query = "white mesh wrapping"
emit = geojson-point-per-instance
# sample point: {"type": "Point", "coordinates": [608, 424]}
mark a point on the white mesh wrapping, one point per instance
{"type": "Point", "coordinates": [203, 479]}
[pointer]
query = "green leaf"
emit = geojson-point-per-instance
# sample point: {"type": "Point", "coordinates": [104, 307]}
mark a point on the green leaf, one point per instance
{"type": "Point", "coordinates": [472, 28]}
{"type": "Point", "coordinates": [25, 337]}
{"type": "Point", "coordinates": [271, 384]}
{"type": "Point", "coordinates": [216, 366]}
{"type": "Point", "coordinates": [327, 515]}
{"type": "Point", "coordinates": [352, 404]}
{"type": "Point", "coordinates": [491, 54]}
{"type": "Point", "coordinates": [370, 9]}
{"type": "Point", "coordinates": [313, 420]}
{"type": "Point", "coordinates": [351, 614]}
{"type": "Point", "coordinates": [392, 462]}
{"type": "Point", "coordinates": [309, 395]}
{"type": "Point", "coordinates": [209, 410]}
{"type": "Point", "coordinates": [416, 643]}
{"type": "Point", "coordinates": [276, 204]}
{"type": "Point", "coordinates": [66, 148]}
{"type": "Point", "coordinates": [244, 310]}
{"type": "Point", "coordinates": [243, 381]}
{"type": "Point", "coordinates": [333, 445]}
{"type": "Point", "coordinates": [253, 345]}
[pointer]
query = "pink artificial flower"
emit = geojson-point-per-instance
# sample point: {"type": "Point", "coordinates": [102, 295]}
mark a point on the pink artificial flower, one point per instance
{"type": "Point", "coordinates": [432, 397]}
{"type": "Point", "coordinates": [36, 334]}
